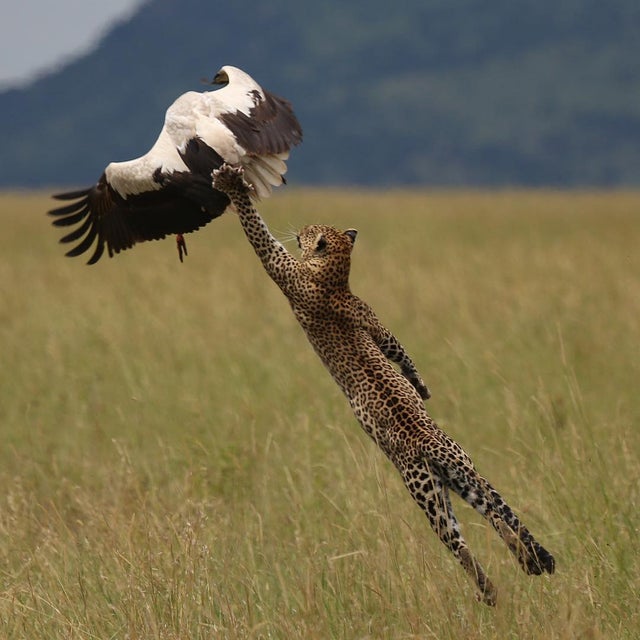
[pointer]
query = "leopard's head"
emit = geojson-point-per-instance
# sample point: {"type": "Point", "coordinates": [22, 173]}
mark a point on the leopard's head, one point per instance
{"type": "Point", "coordinates": [326, 251]}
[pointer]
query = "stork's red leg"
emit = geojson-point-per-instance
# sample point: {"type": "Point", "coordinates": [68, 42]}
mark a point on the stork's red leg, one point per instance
{"type": "Point", "coordinates": [182, 246]}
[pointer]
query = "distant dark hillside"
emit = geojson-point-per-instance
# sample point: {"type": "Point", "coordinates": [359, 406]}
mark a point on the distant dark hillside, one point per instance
{"type": "Point", "coordinates": [419, 92]}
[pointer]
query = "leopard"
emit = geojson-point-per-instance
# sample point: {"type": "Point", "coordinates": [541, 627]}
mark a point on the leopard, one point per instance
{"type": "Point", "coordinates": [381, 383]}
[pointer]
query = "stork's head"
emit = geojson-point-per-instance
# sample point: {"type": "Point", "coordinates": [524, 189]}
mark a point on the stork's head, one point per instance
{"type": "Point", "coordinates": [233, 75]}
{"type": "Point", "coordinates": [326, 251]}
{"type": "Point", "coordinates": [221, 78]}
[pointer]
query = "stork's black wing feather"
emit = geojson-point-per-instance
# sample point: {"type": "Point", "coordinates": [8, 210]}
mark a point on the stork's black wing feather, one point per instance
{"type": "Point", "coordinates": [270, 128]}
{"type": "Point", "coordinates": [183, 202]}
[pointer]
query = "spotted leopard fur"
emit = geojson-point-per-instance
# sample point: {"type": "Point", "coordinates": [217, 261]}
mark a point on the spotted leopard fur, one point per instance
{"type": "Point", "coordinates": [356, 349]}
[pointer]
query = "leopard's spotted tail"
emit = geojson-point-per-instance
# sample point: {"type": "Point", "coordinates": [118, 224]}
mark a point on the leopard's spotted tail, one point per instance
{"type": "Point", "coordinates": [532, 556]}
{"type": "Point", "coordinates": [442, 465]}
{"type": "Point", "coordinates": [463, 479]}
{"type": "Point", "coordinates": [432, 495]}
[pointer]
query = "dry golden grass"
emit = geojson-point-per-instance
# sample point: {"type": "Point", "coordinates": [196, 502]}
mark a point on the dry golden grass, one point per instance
{"type": "Point", "coordinates": [175, 462]}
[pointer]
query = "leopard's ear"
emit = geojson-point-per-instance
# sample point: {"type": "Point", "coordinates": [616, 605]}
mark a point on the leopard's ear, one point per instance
{"type": "Point", "coordinates": [352, 234]}
{"type": "Point", "coordinates": [321, 243]}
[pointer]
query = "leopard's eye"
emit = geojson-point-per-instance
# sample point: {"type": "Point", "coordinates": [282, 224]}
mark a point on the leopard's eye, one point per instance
{"type": "Point", "coordinates": [321, 244]}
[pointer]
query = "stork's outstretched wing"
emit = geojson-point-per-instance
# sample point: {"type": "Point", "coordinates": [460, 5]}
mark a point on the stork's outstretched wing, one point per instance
{"type": "Point", "coordinates": [185, 202]}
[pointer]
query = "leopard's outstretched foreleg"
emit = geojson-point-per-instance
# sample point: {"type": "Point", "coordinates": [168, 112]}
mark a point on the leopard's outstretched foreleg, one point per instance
{"type": "Point", "coordinates": [281, 266]}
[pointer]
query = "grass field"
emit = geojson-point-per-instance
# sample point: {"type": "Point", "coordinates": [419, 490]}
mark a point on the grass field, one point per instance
{"type": "Point", "coordinates": [175, 462]}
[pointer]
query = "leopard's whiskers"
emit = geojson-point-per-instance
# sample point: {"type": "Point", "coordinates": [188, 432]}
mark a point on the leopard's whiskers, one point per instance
{"type": "Point", "coordinates": [288, 235]}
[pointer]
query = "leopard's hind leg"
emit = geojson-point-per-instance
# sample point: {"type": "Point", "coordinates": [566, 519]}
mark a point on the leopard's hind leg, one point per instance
{"type": "Point", "coordinates": [432, 496]}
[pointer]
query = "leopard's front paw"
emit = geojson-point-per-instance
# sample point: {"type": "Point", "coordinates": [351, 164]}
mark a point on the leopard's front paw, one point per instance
{"type": "Point", "coordinates": [229, 178]}
{"type": "Point", "coordinates": [421, 388]}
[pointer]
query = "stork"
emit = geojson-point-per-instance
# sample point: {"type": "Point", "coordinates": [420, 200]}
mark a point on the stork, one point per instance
{"type": "Point", "coordinates": [168, 190]}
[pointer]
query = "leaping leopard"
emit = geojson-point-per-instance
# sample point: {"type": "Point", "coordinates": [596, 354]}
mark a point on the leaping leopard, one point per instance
{"type": "Point", "coordinates": [356, 349]}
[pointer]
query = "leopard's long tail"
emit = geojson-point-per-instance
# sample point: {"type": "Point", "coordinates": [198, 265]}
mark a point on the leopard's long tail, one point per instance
{"type": "Point", "coordinates": [532, 556]}
{"type": "Point", "coordinates": [464, 480]}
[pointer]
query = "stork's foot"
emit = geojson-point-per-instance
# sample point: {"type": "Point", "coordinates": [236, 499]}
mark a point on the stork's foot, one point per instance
{"type": "Point", "coordinates": [182, 246]}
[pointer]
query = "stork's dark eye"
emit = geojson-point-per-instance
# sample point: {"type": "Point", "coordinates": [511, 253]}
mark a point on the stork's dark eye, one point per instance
{"type": "Point", "coordinates": [321, 244]}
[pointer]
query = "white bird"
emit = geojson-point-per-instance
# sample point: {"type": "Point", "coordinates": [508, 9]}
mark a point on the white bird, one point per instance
{"type": "Point", "coordinates": [169, 189]}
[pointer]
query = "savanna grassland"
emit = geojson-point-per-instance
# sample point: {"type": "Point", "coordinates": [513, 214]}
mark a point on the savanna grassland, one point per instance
{"type": "Point", "coordinates": [175, 462]}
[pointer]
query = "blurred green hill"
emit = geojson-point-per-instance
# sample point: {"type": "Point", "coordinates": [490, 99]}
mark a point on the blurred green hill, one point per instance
{"type": "Point", "coordinates": [420, 92]}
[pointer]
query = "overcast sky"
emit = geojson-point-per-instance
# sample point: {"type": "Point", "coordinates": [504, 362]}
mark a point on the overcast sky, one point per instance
{"type": "Point", "coordinates": [37, 35]}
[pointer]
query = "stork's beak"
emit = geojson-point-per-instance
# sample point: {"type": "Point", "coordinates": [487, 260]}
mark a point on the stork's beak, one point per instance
{"type": "Point", "coordinates": [220, 78]}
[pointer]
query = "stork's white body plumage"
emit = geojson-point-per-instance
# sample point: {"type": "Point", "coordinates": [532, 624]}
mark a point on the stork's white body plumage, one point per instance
{"type": "Point", "coordinates": [169, 189]}
{"type": "Point", "coordinates": [133, 177]}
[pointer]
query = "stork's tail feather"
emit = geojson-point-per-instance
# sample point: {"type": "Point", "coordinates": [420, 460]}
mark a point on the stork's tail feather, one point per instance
{"type": "Point", "coordinates": [266, 172]}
